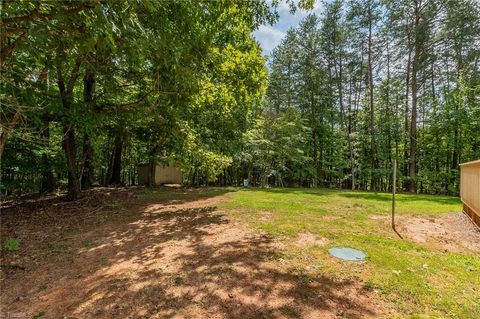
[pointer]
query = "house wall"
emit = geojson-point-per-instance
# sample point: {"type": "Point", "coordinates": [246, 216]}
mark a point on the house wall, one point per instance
{"type": "Point", "coordinates": [470, 189]}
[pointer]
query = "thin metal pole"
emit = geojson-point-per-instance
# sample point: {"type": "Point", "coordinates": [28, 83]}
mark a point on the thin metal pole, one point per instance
{"type": "Point", "coordinates": [394, 190]}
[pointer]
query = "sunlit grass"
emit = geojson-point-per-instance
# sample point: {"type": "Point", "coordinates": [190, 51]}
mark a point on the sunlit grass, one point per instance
{"type": "Point", "coordinates": [416, 279]}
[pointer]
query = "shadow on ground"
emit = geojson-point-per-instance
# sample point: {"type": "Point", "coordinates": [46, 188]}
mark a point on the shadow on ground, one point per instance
{"type": "Point", "coordinates": [386, 197]}
{"type": "Point", "coordinates": [177, 259]}
{"type": "Point", "coordinates": [374, 196]}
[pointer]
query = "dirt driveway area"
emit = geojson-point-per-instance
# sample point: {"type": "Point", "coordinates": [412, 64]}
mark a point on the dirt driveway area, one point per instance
{"type": "Point", "coordinates": [119, 254]}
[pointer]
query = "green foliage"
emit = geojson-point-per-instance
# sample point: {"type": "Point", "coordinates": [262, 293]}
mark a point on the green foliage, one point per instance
{"type": "Point", "coordinates": [200, 162]}
{"type": "Point", "coordinates": [128, 82]}
{"type": "Point", "coordinates": [11, 244]}
{"type": "Point", "coordinates": [91, 89]}
{"type": "Point", "coordinates": [275, 141]}
{"type": "Point", "coordinates": [39, 314]}
{"type": "Point", "coordinates": [345, 73]}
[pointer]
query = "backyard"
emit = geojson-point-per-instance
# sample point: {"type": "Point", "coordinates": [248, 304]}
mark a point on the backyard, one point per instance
{"type": "Point", "coordinates": [243, 253]}
{"type": "Point", "coordinates": [151, 154]}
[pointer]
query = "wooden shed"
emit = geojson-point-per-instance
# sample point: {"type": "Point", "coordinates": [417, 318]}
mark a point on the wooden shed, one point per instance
{"type": "Point", "coordinates": [164, 174]}
{"type": "Point", "coordinates": [470, 189]}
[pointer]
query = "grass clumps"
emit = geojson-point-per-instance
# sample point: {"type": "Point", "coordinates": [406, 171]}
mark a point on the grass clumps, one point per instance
{"type": "Point", "coordinates": [11, 244]}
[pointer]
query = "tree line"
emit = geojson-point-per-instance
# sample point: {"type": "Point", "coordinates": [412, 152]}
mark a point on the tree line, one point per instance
{"type": "Point", "coordinates": [91, 89]}
{"type": "Point", "coordinates": [366, 82]}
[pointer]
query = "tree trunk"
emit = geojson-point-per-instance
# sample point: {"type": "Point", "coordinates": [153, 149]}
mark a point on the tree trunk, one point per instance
{"type": "Point", "coordinates": [48, 183]}
{"type": "Point", "coordinates": [87, 175]}
{"type": "Point", "coordinates": [69, 148]}
{"type": "Point", "coordinates": [313, 118]}
{"type": "Point", "coordinates": [373, 147]}
{"type": "Point", "coordinates": [68, 142]}
{"type": "Point", "coordinates": [117, 161]}
{"type": "Point", "coordinates": [413, 123]}
{"type": "Point", "coordinates": [88, 91]}
{"type": "Point", "coordinates": [406, 115]}
{"type": "Point", "coordinates": [456, 126]}
{"type": "Point", "coordinates": [8, 128]}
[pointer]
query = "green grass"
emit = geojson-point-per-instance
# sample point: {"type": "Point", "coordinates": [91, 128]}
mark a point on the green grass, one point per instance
{"type": "Point", "coordinates": [11, 244]}
{"type": "Point", "coordinates": [420, 281]}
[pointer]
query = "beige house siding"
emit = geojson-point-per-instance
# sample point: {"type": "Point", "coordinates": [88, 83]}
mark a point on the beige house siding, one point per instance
{"type": "Point", "coordinates": [470, 189]}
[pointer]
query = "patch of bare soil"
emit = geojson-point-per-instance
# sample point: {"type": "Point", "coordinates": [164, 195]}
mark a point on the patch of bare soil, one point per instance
{"type": "Point", "coordinates": [330, 217]}
{"type": "Point", "coordinates": [308, 239]}
{"type": "Point", "coordinates": [172, 259]}
{"type": "Point", "coordinates": [452, 232]}
{"type": "Point", "coordinates": [267, 216]}
{"type": "Point", "coordinates": [380, 217]}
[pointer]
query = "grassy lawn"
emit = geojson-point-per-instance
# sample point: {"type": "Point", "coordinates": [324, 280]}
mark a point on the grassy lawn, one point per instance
{"type": "Point", "coordinates": [150, 250]}
{"type": "Point", "coordinates": [420, 281]}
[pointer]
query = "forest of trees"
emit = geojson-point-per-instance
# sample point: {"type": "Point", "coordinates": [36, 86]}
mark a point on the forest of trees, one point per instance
{"type": "Point", "coordinates": [370, 81]}
{"type": "Point", "coordinates": [90, 89]}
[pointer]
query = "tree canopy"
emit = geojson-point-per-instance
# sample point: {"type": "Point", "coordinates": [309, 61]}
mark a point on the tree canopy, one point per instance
{"type": "Point", "coordinates": [90, 89]}
{"type": "Point", "coordinates": [376, 81]}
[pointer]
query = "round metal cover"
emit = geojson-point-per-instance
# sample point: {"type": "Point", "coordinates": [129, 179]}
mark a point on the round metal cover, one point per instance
{"type": "Point", "coordinates": [346, 253]}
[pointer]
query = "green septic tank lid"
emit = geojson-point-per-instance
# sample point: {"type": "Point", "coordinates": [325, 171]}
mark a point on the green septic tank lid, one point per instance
{"type": "Point", "coordinates": [346, 253]}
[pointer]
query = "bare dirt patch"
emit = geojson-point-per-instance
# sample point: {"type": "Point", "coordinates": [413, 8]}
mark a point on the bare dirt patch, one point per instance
{"type": "Point", "coordinates": [452, 232]}
{"type": "Point", "coordinates": [267, 216]}
{"type": "Point", "coordinates": [308, 239]}
{"type": "Point", "coordinates": [174, 258]}
{"type": "Point", "coordinates": [380, 217]}
{"type": "Point", "coordinates": [331, 217]}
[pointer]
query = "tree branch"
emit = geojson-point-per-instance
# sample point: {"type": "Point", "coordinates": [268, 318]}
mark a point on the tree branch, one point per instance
{"type": "Point", "coordinates": [35, 14]}
{"type": "Point", "coordinates": [74, 76]}
{"type": "Point", "coordinates": [8, 128]}
{"type": "Point", "coordinates": [141, 99]}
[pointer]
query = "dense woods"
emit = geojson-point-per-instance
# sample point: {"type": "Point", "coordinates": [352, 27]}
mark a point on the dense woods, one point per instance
{"type": "Point", "coordinates": [367, 82]}
{"type": "Point", "coordinates": [91, 89]}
